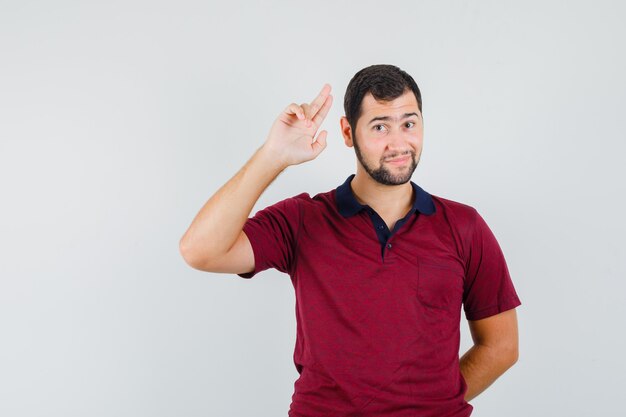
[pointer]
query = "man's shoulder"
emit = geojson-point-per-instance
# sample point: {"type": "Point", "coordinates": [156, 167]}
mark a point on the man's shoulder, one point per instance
{"type": "Point", "coordinates": [304, 200]}
{"type": "Point", "coordinates": [459, 218]}
{"type": "Point", "coordinates": [319, 200]}
{"type": "Point", "coordinates": [452, 205]}
{"type": "Point", "coordinates": [453, 211]}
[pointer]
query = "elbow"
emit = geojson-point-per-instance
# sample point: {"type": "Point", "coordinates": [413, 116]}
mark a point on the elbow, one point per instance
{"type": "Point", "coordinates": [184, 251]}
{"type": "Point", "coordinates": [505, 354]}
{"type": "Point", "coordinates": [190, 255]}
{"type": "Point", "coordinates": [511, 354]}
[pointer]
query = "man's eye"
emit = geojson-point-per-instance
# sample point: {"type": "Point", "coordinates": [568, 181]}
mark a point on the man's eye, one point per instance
{"type": "Point", "coordinates": [379, 127]}
{"type": "Point", "coordinates": [410, 124]}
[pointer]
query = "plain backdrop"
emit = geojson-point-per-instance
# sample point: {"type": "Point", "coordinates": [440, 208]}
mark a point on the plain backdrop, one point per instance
{"type": "Point", "coordinates": [119, 119]}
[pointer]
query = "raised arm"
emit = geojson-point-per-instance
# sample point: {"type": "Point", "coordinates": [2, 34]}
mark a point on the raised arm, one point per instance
{"type": "Point", "coordinates": [215, 241]}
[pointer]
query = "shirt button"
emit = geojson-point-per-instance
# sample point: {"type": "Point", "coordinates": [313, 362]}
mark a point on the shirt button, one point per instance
{"type": "Point", "coordinates": [388, 245]}
{"type": "Point", "coordinates": [381, 227]}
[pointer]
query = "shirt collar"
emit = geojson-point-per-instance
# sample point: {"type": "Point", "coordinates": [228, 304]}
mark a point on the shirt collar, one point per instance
{"type": "Point", "coordinates": [349, 206]}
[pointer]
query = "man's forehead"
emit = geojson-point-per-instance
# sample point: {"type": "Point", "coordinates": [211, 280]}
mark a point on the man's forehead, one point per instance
{"type": "Point", "coordinates": [400, 104]}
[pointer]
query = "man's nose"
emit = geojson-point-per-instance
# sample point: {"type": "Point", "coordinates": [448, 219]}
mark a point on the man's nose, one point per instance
{"type": "Point", "coordinates": [397, 141]}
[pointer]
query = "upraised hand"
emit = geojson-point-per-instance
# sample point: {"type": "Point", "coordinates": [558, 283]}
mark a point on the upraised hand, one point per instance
{"type": "Point", "coordinates": [291, 137]}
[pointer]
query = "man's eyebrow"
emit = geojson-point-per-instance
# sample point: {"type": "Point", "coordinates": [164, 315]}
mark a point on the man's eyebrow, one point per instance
{"type": "Point", "coordinates": [385, 118]}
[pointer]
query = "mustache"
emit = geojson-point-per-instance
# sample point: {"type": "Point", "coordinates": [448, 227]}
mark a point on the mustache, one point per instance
{"type": "Point", "coordinates": [398, 155]}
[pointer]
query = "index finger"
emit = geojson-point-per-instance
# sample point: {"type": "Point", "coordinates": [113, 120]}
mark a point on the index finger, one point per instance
{"type": "Point", "coordinates": [318, 102]}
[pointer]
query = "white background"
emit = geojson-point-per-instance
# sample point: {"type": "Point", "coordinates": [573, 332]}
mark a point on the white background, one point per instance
{"type": "Point", "coordinates": [119, 120]}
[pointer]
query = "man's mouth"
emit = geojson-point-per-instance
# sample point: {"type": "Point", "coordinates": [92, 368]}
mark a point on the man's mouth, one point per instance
{"type": "Point", "coordinates": [398, 160]}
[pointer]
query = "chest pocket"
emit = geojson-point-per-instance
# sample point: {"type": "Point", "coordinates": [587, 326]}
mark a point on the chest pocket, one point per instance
{"type": "Point", "coordinates": [439, 286]}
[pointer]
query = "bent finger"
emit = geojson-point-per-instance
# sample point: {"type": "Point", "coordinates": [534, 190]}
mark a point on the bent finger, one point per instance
{"type": "Point", "coordinates": [320, 142]}
{"type": "Point", "coordinates": [293, 108]}
{"type": "Point", "coordinates": [308, 113]}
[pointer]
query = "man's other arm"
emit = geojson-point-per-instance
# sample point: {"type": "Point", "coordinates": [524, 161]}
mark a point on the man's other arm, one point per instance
{"type": "Point", "coordinates": [215, 241]}
{"type": "Point", "coordinates": [495, 350]}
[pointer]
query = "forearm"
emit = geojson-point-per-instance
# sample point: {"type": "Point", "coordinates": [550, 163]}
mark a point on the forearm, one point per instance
{"type": "Point", "coordinates": [219, 222]}
{"type": "Point", "coordinates": [482, 365]}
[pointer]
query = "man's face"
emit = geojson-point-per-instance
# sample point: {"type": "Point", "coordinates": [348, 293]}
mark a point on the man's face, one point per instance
{"type": "Point", "coordinates": [388, 138]}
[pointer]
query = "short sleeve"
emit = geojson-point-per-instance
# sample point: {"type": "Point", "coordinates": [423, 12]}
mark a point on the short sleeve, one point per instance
{"type": "Point", "coordinates": [272, 233]}
{"type": "Point", "coordinates": [488, 288]}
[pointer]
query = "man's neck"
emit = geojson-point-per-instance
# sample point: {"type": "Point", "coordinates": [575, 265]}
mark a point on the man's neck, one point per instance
{"type": "Point", "coordinates": [386, 200]}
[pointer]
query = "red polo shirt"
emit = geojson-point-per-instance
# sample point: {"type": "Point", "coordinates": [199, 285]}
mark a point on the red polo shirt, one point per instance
{"type": "Point", "coordinates": [378, 311]}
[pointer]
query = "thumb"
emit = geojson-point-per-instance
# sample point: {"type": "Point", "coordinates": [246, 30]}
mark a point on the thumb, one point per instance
{"type": "Point", "coordinates": [320, 142]}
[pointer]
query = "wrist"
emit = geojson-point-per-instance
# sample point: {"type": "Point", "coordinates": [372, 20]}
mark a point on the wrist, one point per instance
{"type": "Point", "coordinates": [270, 158]}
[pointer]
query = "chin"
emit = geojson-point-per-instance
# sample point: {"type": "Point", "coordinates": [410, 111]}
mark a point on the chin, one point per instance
{"type": "Point", "coordinates": [387, 179]}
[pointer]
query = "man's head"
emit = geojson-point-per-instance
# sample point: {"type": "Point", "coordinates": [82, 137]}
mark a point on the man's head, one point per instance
{"type": "Point", "coordinates": [383, 122]}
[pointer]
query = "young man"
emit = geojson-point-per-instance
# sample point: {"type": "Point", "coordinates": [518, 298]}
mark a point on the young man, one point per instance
{"type": "Point", "coordinates": [380, 267]}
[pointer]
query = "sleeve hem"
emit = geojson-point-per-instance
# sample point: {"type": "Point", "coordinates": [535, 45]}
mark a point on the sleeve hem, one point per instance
{"type": "Point", "coordinates": [492, 311]}
{"type": "Point", "coordinates": [256, 250]}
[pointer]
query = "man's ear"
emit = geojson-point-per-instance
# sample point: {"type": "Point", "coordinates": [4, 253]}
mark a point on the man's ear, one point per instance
{"type": "Point", "coordinates": [346, 131]}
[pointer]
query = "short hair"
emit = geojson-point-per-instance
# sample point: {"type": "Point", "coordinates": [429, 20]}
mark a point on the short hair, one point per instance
{"type": "Point", "coordinates": [385, 82]}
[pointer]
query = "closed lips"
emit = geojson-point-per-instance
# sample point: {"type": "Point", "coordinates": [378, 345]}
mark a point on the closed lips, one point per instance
{"type": "Point", "coordinates": [398, 159]}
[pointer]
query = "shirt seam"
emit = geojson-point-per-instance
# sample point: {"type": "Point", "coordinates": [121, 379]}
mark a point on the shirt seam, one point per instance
{"type": "Point", "coordinates": [297, 239]}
